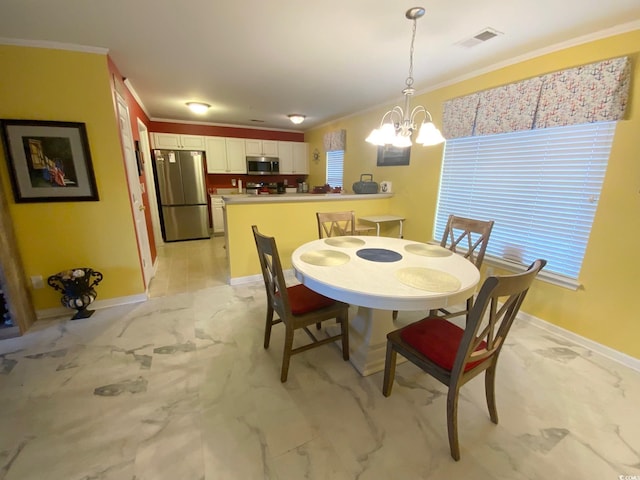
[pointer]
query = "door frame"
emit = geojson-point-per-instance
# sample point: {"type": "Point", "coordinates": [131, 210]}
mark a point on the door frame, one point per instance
{"type": "Point", "coordinates": [135, 189]}
{"type": "Point", "coordinates": [149, 175]}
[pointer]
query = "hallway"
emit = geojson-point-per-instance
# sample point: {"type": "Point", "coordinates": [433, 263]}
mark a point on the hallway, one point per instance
{"type": "Point", "coordinates": [190, 266]}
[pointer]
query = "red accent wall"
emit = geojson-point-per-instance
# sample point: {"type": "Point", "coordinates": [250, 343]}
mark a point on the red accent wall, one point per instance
{"type": "Point", "coordinates": [220, 131]}
{"type": "Point", "coordinates": [135, 112]}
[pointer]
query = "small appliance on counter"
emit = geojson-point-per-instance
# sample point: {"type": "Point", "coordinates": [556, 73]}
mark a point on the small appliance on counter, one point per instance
{"type": "Point", "coordinates": [253, 188]}
{"type": "Point", "coordinates": [365, 186]}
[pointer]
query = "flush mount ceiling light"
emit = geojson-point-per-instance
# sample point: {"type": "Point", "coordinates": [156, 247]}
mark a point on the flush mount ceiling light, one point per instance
{"type": "Point", "coordinates": [198, 107]}
{"type": "Point", "coordinates": [296, 118]}
{"type": "Point", "coordinates": [398, 124]}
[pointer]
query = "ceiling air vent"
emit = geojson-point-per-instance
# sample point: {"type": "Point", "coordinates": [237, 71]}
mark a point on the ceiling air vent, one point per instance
{"type": "Point", "coordinates": [481, 37]}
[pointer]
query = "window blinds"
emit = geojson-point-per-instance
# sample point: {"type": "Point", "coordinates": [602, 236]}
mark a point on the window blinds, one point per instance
{"type": "Point", "coordinates": [335, 160]}
{"type": "Point", "coordinates": [540, 186]}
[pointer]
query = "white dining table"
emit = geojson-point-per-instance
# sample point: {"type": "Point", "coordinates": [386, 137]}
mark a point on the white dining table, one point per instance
{"type": "Point", "coordinates": [378, 275]}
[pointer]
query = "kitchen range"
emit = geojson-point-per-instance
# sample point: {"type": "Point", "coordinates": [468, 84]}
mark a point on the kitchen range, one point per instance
{"type": "Point", "coordinates": [182, 194]}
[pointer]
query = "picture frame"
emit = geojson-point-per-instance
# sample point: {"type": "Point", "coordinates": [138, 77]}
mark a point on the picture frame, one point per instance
{"type": "Point", "coordinates": [388, 155]}
{"type": "Point", "coordinates": [48, 161]}
{"type": "Point", "coordinates": [139, 158]}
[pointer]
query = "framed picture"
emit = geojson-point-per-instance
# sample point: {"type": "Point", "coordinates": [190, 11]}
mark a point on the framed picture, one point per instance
{"type": "Point", "coordinates": [48, 161]}
{"type": "Point", "coordinates": [139, 158]}
{"type": "Point", "coordinates": [389, 155]}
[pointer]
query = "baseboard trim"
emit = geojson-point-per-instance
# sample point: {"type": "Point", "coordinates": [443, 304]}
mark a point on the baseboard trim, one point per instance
{"type": "Point", "coordinates": [98, 304]}
{"type": "Point", "coordinates": [245, 280]}
{"type": "Point", "coordinates": [608, 352]}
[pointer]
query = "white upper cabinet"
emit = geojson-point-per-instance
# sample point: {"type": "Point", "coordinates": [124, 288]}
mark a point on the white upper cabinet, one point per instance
{"type": "Point", "coordinates": [225, 155]}
{"type": "Point", "coordinates": [285, 154]}
{"type": "Point", "coordinates": [267, 148]}
{"type": "Point", "coordinates": [293, 157]}
{"type": "Point", "coordinates": [175, 141]}
{"type": "Point", "coordinates": [300, 157]}
{"type": "Point", "coordinates": [236, 156]}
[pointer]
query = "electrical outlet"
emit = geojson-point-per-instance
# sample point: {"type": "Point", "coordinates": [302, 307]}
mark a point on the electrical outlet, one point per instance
{"type": "Point", "coordinates": [37, 281]}
{"type": "Point", "coordinates": [233, 182]}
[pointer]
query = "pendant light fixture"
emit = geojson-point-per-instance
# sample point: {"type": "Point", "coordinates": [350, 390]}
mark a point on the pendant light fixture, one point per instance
{"type": "Point", "coordinates": [296, 118]}
{"type": "Point", "coordinates": [198, 107]}
{"type": "Point", "coordinates": [399, 123]}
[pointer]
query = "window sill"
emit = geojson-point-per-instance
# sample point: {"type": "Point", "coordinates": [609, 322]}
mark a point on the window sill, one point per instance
{"type": "Point", "coordinates": [548, 277]}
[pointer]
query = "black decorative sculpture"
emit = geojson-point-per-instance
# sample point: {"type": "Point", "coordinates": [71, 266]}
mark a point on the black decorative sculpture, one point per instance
{"type": "Point", "coordinates": [77, 290]}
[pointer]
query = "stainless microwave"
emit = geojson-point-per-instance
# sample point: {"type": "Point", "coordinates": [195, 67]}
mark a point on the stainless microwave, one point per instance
{"type": "Point", "coordinates": [263, 165]}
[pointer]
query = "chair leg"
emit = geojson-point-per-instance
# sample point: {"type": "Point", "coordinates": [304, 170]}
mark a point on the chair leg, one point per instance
{"type": "Point", "coordinates": [267, 327]}
{"type": "Point", "coordinates": [344, 330]}
{"type": "Point", "coordinates": [318, 325]}
{"type": "Point", "coordinates": [389, 370]}
{"type": "Point", "coordinates": [286, 353]}
{"type": "Point", "coordinates": [452, 421]}
{"type": "Point", "coordinates": [395, 314]}
{"type": "Point", "coordinates": [490, 391]}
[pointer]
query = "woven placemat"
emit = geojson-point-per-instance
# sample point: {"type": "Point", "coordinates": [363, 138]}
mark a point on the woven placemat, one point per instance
{"type": "Point", "coordinates": [344, 242]}
{"type": "Point", "coordinates": [379, 255]}
{"type": "Point", "coordinates": [325, 258]}
{"type": "Point", "coordinates": [428, 279]}
{"type": "Point", "coordinates": [427, 250]}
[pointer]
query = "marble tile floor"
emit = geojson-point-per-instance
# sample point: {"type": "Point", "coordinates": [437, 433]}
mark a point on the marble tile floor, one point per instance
{"type": "Point", "coordinates": [180, 387]}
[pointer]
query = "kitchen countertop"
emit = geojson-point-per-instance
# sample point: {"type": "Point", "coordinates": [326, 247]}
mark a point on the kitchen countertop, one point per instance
{"type": "Point", "coordinates": [240, 198]}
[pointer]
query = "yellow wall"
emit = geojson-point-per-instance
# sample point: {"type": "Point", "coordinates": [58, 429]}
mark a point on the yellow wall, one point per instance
{"type": "Point", "coordinates": [43, 84]}
{"type": "Point", "coordinates": [604, 309]}
{"type": "Point", "coordinates": [292, 224]}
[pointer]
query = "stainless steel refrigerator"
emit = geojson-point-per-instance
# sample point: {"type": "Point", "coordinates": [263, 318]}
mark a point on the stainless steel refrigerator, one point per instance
{"type": "Point", "coordinates": [182, 194]}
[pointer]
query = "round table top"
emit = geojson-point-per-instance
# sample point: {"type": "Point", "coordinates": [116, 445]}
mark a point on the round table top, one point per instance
{"type": "Point", "coordinates": [385, 273]}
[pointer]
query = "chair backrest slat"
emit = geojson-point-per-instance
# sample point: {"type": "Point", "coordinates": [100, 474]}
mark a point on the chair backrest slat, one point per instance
{"type": "Point", "coordinates": [272, 273]}
{"type": "Point", "coordinates": [497, 304]}
{"type": "Point", "coordinates": [333, 224]}
{"type": "Point", "coordinates": [475, 232]}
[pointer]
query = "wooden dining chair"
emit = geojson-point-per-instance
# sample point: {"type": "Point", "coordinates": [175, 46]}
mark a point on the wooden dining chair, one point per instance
{"type": "Point", "coordinates": [469, 238]}
{"type": "Point", "coordinates": [454, 355]}
{"type": "Point", "coordinates": [334, 224]}
{"type": "Point", "coordinates": [297, 306]}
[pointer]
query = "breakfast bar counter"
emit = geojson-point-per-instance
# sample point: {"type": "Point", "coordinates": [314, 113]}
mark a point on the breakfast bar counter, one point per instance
{"type": "Point", "coordinates": [244, 198]}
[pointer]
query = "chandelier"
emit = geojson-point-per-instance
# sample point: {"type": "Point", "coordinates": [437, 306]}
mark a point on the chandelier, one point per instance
{"type": "Point", "coordinates": [399, 123]}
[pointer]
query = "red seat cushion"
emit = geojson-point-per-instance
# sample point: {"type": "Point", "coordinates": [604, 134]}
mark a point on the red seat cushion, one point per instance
{"type": "Point", "coordinates": [304, 300]}
{"type": "Point", "coordinates": [438, 340]}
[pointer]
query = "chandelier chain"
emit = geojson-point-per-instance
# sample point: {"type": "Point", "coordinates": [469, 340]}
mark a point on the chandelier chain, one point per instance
{"type": "Point", "coordinates": [409, 81]}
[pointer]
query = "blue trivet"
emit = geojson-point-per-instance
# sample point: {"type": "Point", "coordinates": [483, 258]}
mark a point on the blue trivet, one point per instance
{"type": "Point", "coordinates": [379, 255]}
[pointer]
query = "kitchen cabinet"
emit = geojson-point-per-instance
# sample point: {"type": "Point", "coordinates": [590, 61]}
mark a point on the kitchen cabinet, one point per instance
{"type": "Point", "coordinates": [293, 158]}
{"type": "Point", "coordinates": [225, 155]}
{"type": "Point", "coordinates": [175, 141]}
{"type": "Point", "coordinates": [217, 214]}
{"type": "Point", "coordinates": [267, 148]}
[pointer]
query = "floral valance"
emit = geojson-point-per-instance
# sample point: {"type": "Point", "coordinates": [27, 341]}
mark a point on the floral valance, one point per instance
{"type": "Point", "coordinates": [336, 140]}
{"type": "Point", "coordinates": [459, 116]}
{"type": "Point", "coordinates": [590, 93]}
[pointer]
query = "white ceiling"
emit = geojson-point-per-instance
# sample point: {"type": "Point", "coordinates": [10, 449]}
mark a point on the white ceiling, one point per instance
{"type": "Point", "coordinates": [264, 59]}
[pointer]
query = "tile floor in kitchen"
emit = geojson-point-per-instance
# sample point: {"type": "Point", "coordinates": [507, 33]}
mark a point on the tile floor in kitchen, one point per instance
{"type": "Point", "coordinates": [180, 387]}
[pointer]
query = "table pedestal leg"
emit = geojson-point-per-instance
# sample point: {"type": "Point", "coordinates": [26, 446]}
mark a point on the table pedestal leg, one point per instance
{"type": "Point", "coordinates": [368, 339]}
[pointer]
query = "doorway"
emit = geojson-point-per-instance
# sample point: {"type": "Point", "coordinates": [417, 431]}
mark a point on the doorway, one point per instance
{"type": "Point", "coordinates": [135, 190]}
